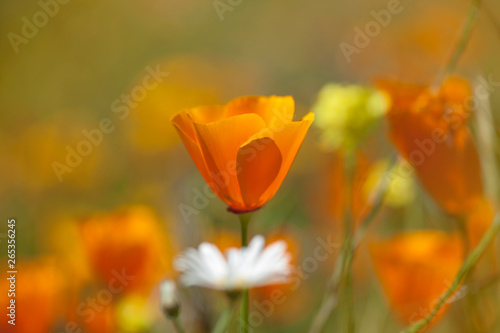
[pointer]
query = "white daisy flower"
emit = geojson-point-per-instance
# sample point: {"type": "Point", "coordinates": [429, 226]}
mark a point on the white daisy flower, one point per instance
{"type": "Point", "coordinates": [248, 267]}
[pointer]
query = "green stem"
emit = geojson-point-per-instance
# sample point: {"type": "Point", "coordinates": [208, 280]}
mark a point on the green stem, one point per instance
{"type": "Point", "coordinates": [462, 273]}
{"type": "Point", "coordinates": [244, 311]}
{"type": "Point", "coordinates": [225, 318]}
{"type": "Point", "coordinates": [177, 325]}
{"type": "Point", "coordinates": [462, 229]}
{"type": "Point", "coordinates": [350, 166]}
{"type": "Point", "coordinates": [244, 220]}
{"type": "Point", "coordinates": [489, 14]}
{"type": "Point", "coordinates": [348, 287]}
{"type": "Point", "coordinates": [377, 203]}
{"type": "Point", "coordinates": [330, 300]}
{"type": "Point", "coordinates": [461, 43]}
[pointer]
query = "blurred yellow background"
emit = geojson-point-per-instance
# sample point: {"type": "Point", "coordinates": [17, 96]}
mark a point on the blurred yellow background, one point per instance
{"type": "Point", "coordinates": [95, 175]}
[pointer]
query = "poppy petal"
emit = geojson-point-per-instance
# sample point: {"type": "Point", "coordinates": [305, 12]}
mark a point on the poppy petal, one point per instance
{"type": "Point", "coordinates": [219, 142]}
{"type": "Point", "coordinates": [430, 132]}
{"type": "Point", "coordinates": [275, 110]}
{"type": "Point", "coordinates": [259, 162]}
{"type": "Point", "coordinates": [415, 268]}
{"type": "Point", "coordinates": [202, 114]}
{"type": "Point", "coordinates": [288, 139]}
{"type": "Point", "coordinates": [183, 125]}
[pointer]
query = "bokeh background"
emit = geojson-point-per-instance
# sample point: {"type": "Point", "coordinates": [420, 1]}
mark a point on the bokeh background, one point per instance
{"type": "Point", "coordinates": [120, 207]}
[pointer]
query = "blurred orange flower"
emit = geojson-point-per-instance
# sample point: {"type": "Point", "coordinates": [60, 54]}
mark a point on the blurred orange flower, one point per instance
{"type": "Point", "coordinates": [104, 320]}
{"type": "Point", "coordinates": [338, 187]}
{"type": "Point", "coordinates": [477, 223]}
{"type": "Point", "coordinates": [244, 149]}
{"type": "Point", "coordinates": [39, 297]}
{"type": "Point", "coordinates": [430, 131]}
{"type": "Point", "coordinates": [415, 269]}
{"type": "Point", "coordinates": [127, 242]}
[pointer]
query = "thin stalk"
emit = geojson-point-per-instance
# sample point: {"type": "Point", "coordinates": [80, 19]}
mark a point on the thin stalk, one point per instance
{"type": "Point", "coordinates": [460, 45]}
{"type": "Point", "coordinates": [489, 14]}
{"type": "Point", "coordinates": [462, 228]}
{"type": "Point", "coordinates": [467, 266]}
{"type": "Point", "coordinates": [225, 318]}
{"type": "Point", "coordinates": [490, 283]}
{"type": "Point", "coordinates": [348, 290]}
{"type": "Point", "coordinates": [177, 325]}
{"type": "Point", "coordinates": [244, 220]}
{"type": "Point", "coordinates": [350, 165]}
{"type": "Point", "coordinates": [330, 301]}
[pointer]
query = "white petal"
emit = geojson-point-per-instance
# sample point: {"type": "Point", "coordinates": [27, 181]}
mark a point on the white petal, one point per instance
{"type": "Point", "coordinates": [250, 266]}
{"type": "Point", "coordinates": [251, 254]}
{"type": "Point", "coordinates": [214, 260]}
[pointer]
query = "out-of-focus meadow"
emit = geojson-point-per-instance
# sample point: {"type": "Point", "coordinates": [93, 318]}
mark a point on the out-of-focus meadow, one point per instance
{"type": "Point", "coordinates": [104, 193]}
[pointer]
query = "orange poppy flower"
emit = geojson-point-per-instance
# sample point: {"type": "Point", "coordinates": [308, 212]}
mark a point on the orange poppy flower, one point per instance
{"type": "Point", "coordinates": [415, 269]}
{"type": "Point", "coordinates": [430, 131]}
{"type": "Point", "coordinates": [40, 297]}
{"type": "Point", "coordinates": [104, 321]}
{"type": "Point", "coordinates": [129, 242]}
{"type": "Point", "coordinates": [477, 223]}
{"type": "Point", "coordinates": [244, 149]}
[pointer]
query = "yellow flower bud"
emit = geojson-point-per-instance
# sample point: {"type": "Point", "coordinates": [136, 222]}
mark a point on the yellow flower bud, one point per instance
{"type": "Point", "coordinates": [346, 114]}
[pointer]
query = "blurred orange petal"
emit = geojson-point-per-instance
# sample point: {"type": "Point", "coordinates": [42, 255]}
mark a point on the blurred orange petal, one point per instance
{"type": "Point", "coordinates": [127, 242]}
{"type": "Point", "coordinates": [430, 131]}
{"type": "Point", "coordinates": [40, 297]}
{"type": "Point", "coordinates": [415, 269]}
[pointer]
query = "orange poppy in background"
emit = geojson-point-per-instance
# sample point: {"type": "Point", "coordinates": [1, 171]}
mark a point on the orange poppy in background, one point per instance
{"type": "Point", "coordinates": [244, 149]}
{"type": "Point", "coordinates": [430, 131]}
{"type": "Point", "coordinates": [128, 243]}
{"type": "Point", "coordinates": [41, 297]}
{"type": "Point", "coordinates": [104, 321]}
{"type": "Point", "coordinates": [477, 223]}
{"type": "Point", "coordinates": [415, 269]}
{"type": "Point", "coordinates": [338, 187]}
